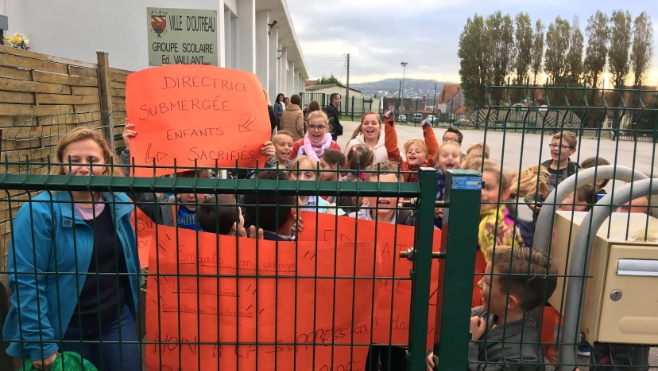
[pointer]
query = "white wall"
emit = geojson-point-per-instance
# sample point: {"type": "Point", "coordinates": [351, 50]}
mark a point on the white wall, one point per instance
{"type": "Point", "coordinates": [76, 29]}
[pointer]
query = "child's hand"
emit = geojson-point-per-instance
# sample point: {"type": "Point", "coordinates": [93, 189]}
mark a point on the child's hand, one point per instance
{"type": "Point", "coordinates": [128, 132]}
{"type": "Point", "coordinates": [425, 124]}
{"type": "Point", "coordinates": [254, 235]}
{"type": "Point", "coordinates": [388, 115]}
{"type": "Point", "coordinates": [478, 325]}
{"type": "Point", "coordinates": [268, 150]}
{"type": "Point", "coordinates": [438, 212]}
{"type": "Point", "coordinates": [431, 361]}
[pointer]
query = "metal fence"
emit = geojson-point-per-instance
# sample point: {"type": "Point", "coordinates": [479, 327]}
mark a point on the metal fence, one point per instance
{"type": "Point", "coordinates": [351, 294]}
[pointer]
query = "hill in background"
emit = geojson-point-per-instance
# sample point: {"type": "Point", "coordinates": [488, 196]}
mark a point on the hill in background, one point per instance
{"type": "Point", "coordinates": [391, 88]}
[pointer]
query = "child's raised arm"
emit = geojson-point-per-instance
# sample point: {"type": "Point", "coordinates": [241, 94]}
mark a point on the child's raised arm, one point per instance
{"type": "Point", "coordinates": [391, 137]}
{"type": "Point", "coordinates": [430, 141]}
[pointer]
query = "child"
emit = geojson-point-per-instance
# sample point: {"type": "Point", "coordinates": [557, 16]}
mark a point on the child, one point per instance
{"type": "Point", "coordinates": [360, 157]}
{"type": "Point", "coordinates": [478, 150]}
{"type": "Point", "coordinates": [273, 212]}
{"type": "Point", "coordinates": [532, 180]}
{"type": "Point", "coordinates": [384, 209]}
{"type": "Point", "coordinates": [418, 153]}
{"type": "Point", "coordinates": [330, 162]}
{"type": "Point", "coordinates": [303, 168]}
{"type": "Point", "coordinates": [583, 200]}
{"type": "Point", "coordinates": [596, 161]}
{"type": "Point", "coordinates": [496, 228]}
{"type": "Point", "coordinates": [221, 215]}
{"type": "Point", "coordinates": [560, 166]}
{"type": "Point", "coordinates": [449, 159]}
{"type": "Point", "coordinates": [283, 143]}
{"type": "Point", "coordinates": [503, 336]}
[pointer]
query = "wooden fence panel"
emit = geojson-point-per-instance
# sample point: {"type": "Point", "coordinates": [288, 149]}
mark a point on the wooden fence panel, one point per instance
{"type": "Point", "coordinates": [42, 97]}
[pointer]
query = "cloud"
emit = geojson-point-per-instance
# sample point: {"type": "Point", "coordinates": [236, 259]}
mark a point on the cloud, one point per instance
{"type": "Point", "coordinates": [379, 34]}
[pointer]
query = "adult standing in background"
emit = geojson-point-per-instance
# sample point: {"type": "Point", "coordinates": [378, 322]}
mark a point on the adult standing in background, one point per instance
{"type": "Point", "coordinates": [292, 118]}
{"type": "Point", "coordinates": [332, 113]}
{"type": "Point", "coordinates": [278, 109]}
{"type": "Point", "coordinates": [270, 109]}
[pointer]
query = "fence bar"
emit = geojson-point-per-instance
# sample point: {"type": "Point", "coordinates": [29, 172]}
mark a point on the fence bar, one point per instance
{"type": "Point", "coordinates": [458, 242]}
{"type": "Point", "coordinates": [104, 79]}
{"type": "Point", "coordinates": [421, 271]}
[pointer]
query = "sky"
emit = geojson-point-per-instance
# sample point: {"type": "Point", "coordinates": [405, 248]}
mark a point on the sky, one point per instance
{"type": "Point", "coordinates": [380, 34]}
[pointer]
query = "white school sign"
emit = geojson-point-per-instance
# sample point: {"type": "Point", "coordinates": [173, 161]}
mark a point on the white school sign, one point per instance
{"type": "Point", "coordinates": [182, 36]}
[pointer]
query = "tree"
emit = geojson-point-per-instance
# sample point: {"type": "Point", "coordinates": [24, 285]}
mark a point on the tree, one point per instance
{"type": "Point", "coordinates": [574, 60]}
{"type": "Point", "coordinates": [642, 47]}
{"type": "Point", "coordinates": [503, 52]}
{"type": "Point", "coordinates": [329, 80]}
{"type": "Point", "coordinates": [524, 42]}
{"type": "Point", "coordinates": [474, 65]}
{"type": "Point", "coordinates": [620, 44]}
{"type": "Point", "coordinates": [537, 49]}
{"type": "Point", "coordinates": [598, 37]}
{"type": "Point", "coordinates": [557, 46]}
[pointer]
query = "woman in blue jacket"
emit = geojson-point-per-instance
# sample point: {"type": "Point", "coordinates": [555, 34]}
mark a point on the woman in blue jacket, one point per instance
{"type": "Point", "coordinates": [74, 268]}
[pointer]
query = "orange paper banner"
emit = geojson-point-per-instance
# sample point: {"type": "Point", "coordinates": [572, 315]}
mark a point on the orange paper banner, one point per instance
{"type": "Point", "coordinates": [196, 114]}
{"type": "Point", "coordinates": [391, 327]}
{"type": "Point", "coordinates": [145, 232]}
{"type": "Point", "coordinates": [212, 300]}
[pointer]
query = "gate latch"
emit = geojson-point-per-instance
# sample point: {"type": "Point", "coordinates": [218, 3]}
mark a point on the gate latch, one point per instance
{"type": "Point", "coordinates": [411, 253]}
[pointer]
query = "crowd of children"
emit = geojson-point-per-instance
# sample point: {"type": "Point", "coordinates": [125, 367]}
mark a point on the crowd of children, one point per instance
{"type": "Point", "coordinates": [511, 278]}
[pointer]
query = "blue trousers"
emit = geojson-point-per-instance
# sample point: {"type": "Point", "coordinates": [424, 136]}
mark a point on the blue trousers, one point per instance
{"type": "Point", "coordinates": [103, 348]}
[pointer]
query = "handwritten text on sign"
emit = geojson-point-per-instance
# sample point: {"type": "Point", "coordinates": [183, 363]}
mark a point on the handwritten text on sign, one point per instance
{"type": "Point", "coordinates": [210, 302]}
{"type": "Point", "coordinates": [187, 114]}
{"type": "Point", "coordinates": [390, 327]}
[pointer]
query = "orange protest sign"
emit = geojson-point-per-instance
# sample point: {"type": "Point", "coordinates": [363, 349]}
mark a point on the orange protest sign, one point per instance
{"type": "Point", "coordinates": [145, 232]}
{"type": "Point", "coordinates": [391, 327]}
{"type": "Point", "coordinates": [212, 302]}
{"type": "Point", "coordinates": [196, 114]}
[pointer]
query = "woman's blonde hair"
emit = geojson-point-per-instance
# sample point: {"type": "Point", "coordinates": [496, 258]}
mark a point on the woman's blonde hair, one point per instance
{"type": "Point", "coordinates": [531, 180]}
{"type": "Point", "coordinates": [84, 133]}
{"type": "Point", "coordinates": [357, 131]}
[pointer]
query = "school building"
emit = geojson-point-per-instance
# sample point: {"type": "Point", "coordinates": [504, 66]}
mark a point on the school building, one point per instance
{"type": "Point", "coordinates": [250, 35]}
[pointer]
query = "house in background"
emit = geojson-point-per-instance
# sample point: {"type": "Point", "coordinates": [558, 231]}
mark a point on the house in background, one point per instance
{"type": "Point", "coordinates": [362, 103]}
{"type": "Point", "coordinates": [450, 99]}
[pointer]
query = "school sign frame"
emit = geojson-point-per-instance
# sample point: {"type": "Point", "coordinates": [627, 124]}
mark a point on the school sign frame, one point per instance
{"type": "Point", "coordinates": [182, 36]}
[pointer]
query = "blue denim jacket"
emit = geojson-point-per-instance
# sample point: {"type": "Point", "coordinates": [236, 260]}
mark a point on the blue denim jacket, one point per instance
{"type": "Point", "coordinates": [51, 237]}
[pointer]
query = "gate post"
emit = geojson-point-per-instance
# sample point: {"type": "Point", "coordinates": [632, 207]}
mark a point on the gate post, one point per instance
{"type": "Point", "coordinates": [421, 269]}
{"type": "Point", "coordinates": [105, 96]}
{"type": "Point", "coordinates": [456, 271]}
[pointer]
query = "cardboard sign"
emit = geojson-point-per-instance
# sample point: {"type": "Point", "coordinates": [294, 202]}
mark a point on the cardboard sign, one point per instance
{"type": "Point", "coordinates": [196, 115]}
{"type": "Point", "coordinates": [391, 326]}
{"type": "Point", "coordinates": [211, 300]}
{"type": "Point", "coordinates": [145, 232]}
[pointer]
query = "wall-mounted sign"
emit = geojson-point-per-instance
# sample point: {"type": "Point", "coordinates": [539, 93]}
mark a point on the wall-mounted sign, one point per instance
{"type": "Point", "coordinates": [182, 36]}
